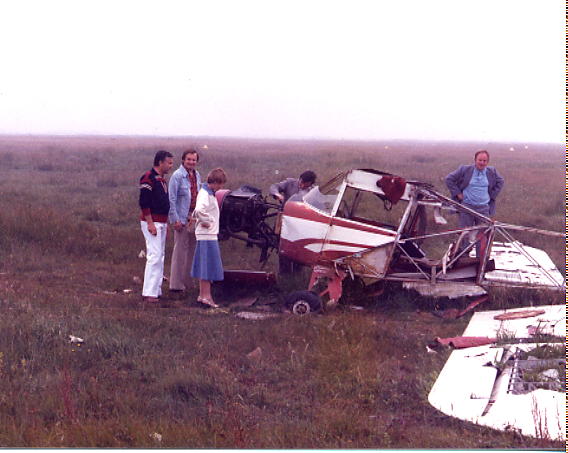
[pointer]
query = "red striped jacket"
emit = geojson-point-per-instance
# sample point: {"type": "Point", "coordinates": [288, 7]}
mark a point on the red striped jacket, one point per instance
{"type": "Point", "coordinates": [154, 199]}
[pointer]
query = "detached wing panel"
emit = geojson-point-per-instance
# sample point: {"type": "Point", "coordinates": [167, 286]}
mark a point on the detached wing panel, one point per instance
{"type": "Point", "coordinates": [520, 265]}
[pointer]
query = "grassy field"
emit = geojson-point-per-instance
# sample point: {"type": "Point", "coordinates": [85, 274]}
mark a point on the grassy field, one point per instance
{"type": "Point", "coordinates": [175, 375]}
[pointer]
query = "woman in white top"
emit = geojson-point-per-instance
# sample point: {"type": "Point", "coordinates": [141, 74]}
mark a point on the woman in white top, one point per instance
{"type": "Point", "coordinates": [207, 265]}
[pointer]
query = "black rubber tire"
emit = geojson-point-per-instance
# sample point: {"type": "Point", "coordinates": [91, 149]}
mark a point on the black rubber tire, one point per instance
{"type": "Point", "coordinates": [303, 302]}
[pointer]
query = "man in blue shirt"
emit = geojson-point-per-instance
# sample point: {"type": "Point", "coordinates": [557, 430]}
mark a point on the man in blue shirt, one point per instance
{"type": "Point", "coordinates": [183, 188]}
{"type": "Point", "coordinates": [476, 187]}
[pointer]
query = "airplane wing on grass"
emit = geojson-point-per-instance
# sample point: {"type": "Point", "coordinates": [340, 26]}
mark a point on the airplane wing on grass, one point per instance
{"type": "Point", "coordinates": [517, 264]}
{"type": "Point", "coordinates": [515, 384]}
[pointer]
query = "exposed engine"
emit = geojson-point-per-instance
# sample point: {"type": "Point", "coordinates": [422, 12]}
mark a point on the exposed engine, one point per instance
{"type": "Point", "coordinates": [244, 215]}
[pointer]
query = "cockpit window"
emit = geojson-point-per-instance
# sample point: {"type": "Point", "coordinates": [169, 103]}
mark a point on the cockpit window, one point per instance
{"type": "Point", "coordinates": [371, 208]}
{"type": "Point", "coordinates": [320, 201]}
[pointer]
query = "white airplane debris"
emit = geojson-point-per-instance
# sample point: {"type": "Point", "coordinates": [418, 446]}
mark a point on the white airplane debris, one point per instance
{"type": "Point", "coordinates": [254, 315]}
{"type": "Point", "coordinates": [156, 436]}
{"type": "Point", "coordinates": [74, 339]}
{"type": "Point", "coordinates": [499, 396]}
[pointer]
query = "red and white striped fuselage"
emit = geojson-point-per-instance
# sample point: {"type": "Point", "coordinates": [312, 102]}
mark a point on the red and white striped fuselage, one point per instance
{"type": "Point", "coordinates": [310, 236]}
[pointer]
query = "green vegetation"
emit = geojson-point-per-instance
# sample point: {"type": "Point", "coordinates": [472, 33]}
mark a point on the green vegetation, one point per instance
{"type": "Point", "coordinates": [174, 375]}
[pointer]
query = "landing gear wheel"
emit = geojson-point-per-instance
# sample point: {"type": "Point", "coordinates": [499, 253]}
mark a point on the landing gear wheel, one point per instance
{"type": "Point", "coordinates": [303, 302]}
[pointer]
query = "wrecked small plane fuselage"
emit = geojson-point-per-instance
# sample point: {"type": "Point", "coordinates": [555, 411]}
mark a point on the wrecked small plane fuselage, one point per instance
{"type": "Point", "coordinates": [378, 227]}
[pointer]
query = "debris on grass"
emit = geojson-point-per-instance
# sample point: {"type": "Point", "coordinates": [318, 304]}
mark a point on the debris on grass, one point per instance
{"type": "Point", "coordinates": [118, 291]}
{"type": "Point", "coordinates": [545, 327]}
{"type": "Point", "coordinates": [244, 302]}
{"type": "Point", "coordinates": [518, 314]}
{"type": "Point", "coordinates": [255, 354]}
{"type": "Point", "coordinates": [465, 342]}
{"type": "Point", "coordinates": [265, 308]}
{"type": "Point", "coordinates": [450, 313]}
{"type": "Point", "coordinates": [549, 374]}
{"type": "Point", "coordinates": [214, 311]}
{"type": "Point", "coordinates": [455, 313]}
{"type": "Point", "coordinates": [252, 315]}
{"type": "Point", "coordinates": [74, 339]}
{"type": "Point", "coordinates": [156, 436]}
{"type": "Point", "coordinates": [517, 381]}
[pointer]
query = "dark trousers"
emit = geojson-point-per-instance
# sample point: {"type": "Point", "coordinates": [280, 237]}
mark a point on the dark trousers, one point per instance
{"type": "Point", "coordinates": [468, 220]}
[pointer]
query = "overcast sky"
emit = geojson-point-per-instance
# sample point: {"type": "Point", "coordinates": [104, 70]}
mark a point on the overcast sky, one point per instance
{"type": "Point", "coordinates": [438, 69]}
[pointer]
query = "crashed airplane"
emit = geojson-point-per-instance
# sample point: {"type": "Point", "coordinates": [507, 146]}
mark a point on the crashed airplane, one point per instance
{"type": "Point", "coordinates": [378, 227]}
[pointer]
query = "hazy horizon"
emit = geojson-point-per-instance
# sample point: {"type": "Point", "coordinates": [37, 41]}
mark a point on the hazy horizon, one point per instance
{"type": "Point", "coordinates": [282, 139]}
{"type": "Point", "coordinates": [361, 70]}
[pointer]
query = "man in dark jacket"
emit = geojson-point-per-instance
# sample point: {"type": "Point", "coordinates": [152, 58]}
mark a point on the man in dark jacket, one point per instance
{"type": "Point", "coordinates": [155, 206]}
{"type": "Point", "coordinates": [476, 187]}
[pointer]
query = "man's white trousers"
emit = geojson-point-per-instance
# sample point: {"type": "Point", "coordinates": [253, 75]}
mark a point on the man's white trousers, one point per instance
{"type": "Point", "coordinates": [155, 255]}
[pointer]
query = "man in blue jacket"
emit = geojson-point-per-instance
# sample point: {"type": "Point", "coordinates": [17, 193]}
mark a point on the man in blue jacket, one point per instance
{"type": "Point", "coordinates": [183, 187]}
{"type": "Point", "coordinates": [476, 187]}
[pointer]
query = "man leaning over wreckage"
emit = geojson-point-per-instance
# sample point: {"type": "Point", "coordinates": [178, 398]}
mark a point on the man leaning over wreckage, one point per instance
{"type": "Point", "coordinates": [292, 189]}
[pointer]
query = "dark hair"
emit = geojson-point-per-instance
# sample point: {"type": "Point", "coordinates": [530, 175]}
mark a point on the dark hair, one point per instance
{"type": "Point", "coordinates": [482, 151]}
{"type": "Point", "coordinates": [161, 156]}
{"type": "Point", "coordinates": [308, 176]}
{"type": "Point", "coordinates": [189, 151]}
{"type": "Point", "coordinates": [217, 176]}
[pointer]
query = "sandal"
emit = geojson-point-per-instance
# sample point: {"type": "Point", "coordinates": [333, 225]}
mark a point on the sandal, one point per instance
{"type": "Point", "coordinates": [207, 302]}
